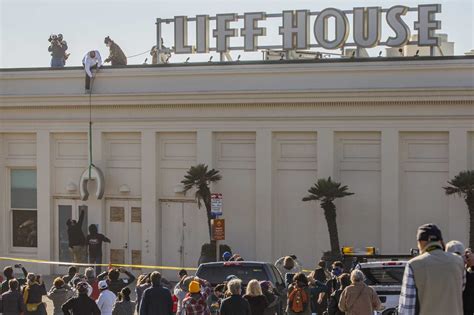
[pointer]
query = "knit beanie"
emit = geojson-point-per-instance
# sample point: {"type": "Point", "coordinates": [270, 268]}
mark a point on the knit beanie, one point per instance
{"type": "Point", "coordinates": [194, 287]}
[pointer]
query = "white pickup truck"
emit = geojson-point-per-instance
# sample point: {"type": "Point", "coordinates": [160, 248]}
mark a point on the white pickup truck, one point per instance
{"type": "Point", "coordinates": [386, 278]}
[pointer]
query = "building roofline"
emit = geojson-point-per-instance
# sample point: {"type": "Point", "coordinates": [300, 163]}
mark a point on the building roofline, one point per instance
{"type": "Point", "coordinates": [257, 62]}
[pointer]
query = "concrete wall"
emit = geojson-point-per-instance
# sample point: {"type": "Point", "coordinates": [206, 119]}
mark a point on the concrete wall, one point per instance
{"type": "Point", "coordinates": [394, 132]}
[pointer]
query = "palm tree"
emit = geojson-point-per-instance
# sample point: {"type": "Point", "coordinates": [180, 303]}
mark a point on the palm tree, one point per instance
{"type": "Point", "coordinates": [199, 177]}
{"type": "Point", "coordinates": [463, 185]}
{"type": "Point", "coordinates": [327, 191]}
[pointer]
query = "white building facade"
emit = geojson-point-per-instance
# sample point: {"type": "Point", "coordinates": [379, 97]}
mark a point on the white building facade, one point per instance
{"type": "Point", "coordinates": [393, 130]}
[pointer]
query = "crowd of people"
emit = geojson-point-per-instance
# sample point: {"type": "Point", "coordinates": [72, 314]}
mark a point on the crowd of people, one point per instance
{"type": "Point", "coordinates": [438, 281]}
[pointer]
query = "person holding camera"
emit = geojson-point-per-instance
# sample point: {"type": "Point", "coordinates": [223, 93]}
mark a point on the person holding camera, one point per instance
{"type": "Point", "coordinates": [8, 273]}
{"type": "Point", "coordinates": [115, 283]}
{"type": "Point", "coordinates": [116, 56]}
{"type": "Point", "coordinates": [57, 48]}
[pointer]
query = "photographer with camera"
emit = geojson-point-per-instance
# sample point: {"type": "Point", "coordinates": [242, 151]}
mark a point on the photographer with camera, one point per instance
{"type": "Point", "coordinates": [57, 48]}
{"type": "Point", "coordinates": [8, 273]}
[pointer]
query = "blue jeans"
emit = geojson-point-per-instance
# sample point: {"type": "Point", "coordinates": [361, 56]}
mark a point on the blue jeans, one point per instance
{"type": "Point", "coordinates": [57, 62]}
{"type": "Point", "coordinates": [96, 260]}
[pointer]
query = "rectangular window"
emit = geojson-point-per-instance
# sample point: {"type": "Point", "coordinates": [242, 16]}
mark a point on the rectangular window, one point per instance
{"type": "Point", "coordinates": [23, 206]}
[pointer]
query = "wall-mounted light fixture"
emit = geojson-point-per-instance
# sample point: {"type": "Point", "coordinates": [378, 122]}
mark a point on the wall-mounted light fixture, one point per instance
{"type": "Point", "coordinates": [178, 189]}
{"type": "Point", "coordinates": [71, 187]}
{"type": "Point", "coordinates": [124, 189]}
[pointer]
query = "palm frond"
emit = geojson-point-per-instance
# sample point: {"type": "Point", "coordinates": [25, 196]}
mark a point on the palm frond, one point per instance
{"type": "Point", "coordinates": [461, 184]}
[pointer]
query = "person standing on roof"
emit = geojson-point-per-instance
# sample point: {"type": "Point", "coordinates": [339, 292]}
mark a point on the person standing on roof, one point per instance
{"type": "Point", "coordinates": [116, 56]}
{"type": "Point", "coordinates": [91, 60]}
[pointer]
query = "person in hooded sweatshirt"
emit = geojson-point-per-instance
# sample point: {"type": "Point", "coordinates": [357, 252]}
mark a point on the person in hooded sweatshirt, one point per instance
{"type": "Point", "coordinates": [258, 302]}
{"type": "Point", "coordinates": [94, 243]}
{"type": "Point", "coordinates": [59, 294]}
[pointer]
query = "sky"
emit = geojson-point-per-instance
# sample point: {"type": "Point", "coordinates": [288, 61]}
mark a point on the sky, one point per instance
{"type": "Point", "coordinates": [25, 25]}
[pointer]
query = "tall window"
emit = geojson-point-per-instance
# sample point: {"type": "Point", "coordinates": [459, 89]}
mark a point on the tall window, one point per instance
{"type": "Point", "coordinates": [23, 208]}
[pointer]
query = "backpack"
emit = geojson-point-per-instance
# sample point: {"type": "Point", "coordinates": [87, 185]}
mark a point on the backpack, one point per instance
{"type": "Point", "coordinates": [298, 300]}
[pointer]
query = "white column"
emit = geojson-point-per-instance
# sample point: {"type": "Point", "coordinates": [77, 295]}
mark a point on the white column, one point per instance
{"type": "Point", "coordinates": [44, 199]}
{"type": "Point", "coordinates": [151, 222]}
{"type": "Point", "coordinates": [390, 176]}
{"type": "Point", "coordinates": [325, 164]}
{"type": "Point", "coordinates": [204, 142]}
{"type": "Point", "coordinates": [3, 217]}
{"type": "Point", "coordinates": [264, 185]}
{"type": "Point", "coordinates": [458, 213]}
{"type": "Point", "coordinates": [96, 208]}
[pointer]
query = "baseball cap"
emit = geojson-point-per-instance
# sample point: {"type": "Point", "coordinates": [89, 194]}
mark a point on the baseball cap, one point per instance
{"type": "Point", "coordinates": [429, 232]}
{"type": "Point", "coordinates": [103, 285]}
{"type": "Point", "coordinates": [226, 256]}
{"type": "Point", "coordinates": [455, 247]}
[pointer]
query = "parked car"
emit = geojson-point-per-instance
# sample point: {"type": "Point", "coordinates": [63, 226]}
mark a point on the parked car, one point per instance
{"type": "Point", "coordinates": [217, 272]}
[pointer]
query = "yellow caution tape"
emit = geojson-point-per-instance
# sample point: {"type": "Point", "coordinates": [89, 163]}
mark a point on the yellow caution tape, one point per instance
{"type": "Point", "coordinates": [61, 263]}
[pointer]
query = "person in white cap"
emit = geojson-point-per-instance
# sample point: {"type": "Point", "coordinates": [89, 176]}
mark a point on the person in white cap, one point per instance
{"type": "Point", "coordinates": [106, 299]}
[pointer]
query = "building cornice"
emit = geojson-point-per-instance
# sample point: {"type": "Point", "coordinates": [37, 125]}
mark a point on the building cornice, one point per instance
{"type": "Point", "coordinates": [244, 98]}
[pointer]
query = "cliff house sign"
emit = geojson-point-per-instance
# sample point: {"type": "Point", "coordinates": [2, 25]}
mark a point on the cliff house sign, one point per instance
{"type": "Point", "coordinates": [297, 32]}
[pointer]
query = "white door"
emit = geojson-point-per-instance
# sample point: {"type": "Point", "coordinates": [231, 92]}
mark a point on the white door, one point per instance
{"type": "Point", "coordinates": [67, 209]}
{"type": "Point", "coordinates": [183, 231]}
{"type": "Point", "coordinates": [124, 229]}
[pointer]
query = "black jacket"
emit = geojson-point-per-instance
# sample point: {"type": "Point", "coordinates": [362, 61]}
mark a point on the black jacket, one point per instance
{"type": "Point", "coordinates": [35, 292]}
{"type": "Point", "coordinates": [235, 305]}
{"type": "Point", "coordinates": [468, 294]}
{"type": "Point", "coordinates": [156, 300]}
{"type": "Point", "coordinates": [75, 234]}
{"type": "Point", "coordinates": [81, 305]}
{"type": "Point", "coordinates": [11, 303]}
{"type": "Point", "coordinates": [333, 306]}
{"type": "Point", "coordinates": [258, 304]}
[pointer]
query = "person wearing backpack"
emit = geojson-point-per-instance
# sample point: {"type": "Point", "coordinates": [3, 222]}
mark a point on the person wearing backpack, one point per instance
{"type": "Point", "coordinates": [298, 301]}
{"type": "Point", "coordinates": [358, 298]}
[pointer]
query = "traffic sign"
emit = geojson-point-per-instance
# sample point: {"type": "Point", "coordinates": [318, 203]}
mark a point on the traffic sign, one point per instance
{"type": "Point", "coordinates": [216, 204]}
{"type": "Point", "coordinates": [218, 229]}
